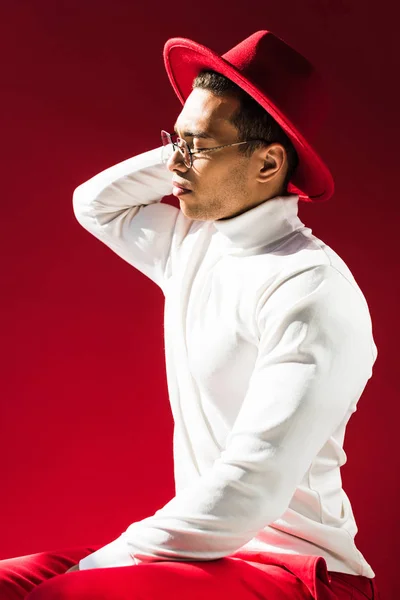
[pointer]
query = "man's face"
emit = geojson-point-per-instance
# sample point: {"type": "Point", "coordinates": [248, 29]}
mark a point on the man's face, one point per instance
{"type": "Point", "coordinates": [222, 182]}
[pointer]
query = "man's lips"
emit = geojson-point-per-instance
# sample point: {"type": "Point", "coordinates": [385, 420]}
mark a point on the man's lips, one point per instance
{"type": "Point", "coordinates": [181, 187]}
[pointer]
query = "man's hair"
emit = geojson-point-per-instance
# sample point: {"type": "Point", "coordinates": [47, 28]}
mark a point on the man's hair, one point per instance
{"type": "Point", "coordinates": [251, 119]}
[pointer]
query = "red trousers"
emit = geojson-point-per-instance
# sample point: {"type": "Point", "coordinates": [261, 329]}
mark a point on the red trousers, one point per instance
{"type": "Point", "coordinates": [42, 576]}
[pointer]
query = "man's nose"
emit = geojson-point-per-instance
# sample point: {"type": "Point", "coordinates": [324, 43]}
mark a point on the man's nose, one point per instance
{"type": "Point", "coordinates": [175, 161]}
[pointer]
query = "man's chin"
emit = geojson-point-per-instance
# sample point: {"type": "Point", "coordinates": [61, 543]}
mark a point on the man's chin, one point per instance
{"type": "Point", "coordinates": [190, 211]}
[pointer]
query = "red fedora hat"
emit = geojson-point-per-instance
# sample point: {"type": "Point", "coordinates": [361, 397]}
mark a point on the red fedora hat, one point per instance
{"type": "Point", "coordinates": [277, 77]}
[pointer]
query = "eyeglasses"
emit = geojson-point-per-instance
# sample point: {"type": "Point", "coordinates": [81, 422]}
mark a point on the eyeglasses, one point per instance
{"type": "Point", "coordinates": [169, 147]}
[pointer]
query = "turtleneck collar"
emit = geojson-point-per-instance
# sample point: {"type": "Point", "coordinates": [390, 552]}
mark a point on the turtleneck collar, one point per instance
{"type": "Point", "coordinates": [262, 225]}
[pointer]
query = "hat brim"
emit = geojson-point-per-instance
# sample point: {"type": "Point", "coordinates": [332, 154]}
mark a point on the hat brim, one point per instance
{"type": "Point", "coordinates": [184, 59]}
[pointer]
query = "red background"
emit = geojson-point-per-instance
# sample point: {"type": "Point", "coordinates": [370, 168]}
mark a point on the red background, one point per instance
{"type": "Point", "coordinates": [85, 424]}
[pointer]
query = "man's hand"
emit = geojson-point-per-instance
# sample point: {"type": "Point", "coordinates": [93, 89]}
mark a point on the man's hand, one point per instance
{"type": "Point", "coordinates": [74, 568]}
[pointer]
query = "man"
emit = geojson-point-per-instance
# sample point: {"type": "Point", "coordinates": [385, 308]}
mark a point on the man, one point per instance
{"type": "Point", "coordinates": [268, 342]}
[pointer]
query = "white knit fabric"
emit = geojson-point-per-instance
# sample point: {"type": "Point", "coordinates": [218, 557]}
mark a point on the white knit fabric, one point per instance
{"type": "Point", "coordinates": [269, 346]}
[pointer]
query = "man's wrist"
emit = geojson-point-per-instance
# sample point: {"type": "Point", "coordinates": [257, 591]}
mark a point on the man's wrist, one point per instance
{"type": "Point", "coordinates": [73, 568]}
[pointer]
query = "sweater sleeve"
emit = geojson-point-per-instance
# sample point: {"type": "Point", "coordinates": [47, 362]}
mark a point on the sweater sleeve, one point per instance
{"type": "Point", "coordinates": [122, 207]}
{"type": "Point", "coordinates": [315, 356]}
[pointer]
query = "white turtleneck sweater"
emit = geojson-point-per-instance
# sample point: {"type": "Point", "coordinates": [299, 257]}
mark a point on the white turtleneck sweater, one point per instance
{"type": "Point", "coordinates": [268, 347]}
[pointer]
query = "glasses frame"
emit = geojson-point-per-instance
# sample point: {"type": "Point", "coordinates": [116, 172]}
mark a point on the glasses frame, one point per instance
{"type": "Point", "coordinates": [175, 146]}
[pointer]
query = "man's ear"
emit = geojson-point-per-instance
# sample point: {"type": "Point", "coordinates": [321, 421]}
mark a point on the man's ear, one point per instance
{"type": "Point", "coordinates": [273, 160]}
{"type": "Point", "coordinates": [269, 163]}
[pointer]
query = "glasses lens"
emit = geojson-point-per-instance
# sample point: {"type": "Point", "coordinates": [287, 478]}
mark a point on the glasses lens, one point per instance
{"type": "Point", "coordinates": [184, 148]}
{"type": "Point", "coordinates": [168, 148]}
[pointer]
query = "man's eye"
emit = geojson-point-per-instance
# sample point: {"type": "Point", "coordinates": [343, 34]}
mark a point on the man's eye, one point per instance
{"type": "Point", "coordinates": [194, 146]}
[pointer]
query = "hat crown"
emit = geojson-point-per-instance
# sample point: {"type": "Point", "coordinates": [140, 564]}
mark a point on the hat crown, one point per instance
{"type": "Point", "coordinates": [280, 72]}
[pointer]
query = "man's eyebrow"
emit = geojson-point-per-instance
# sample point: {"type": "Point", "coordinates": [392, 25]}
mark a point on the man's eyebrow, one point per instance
{"type": "Point", "coordinates": [198, 134]}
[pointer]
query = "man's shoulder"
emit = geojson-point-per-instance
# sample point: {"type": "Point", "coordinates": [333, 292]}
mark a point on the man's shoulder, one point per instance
{"type": "Point", "coordinates": [301, 256]}
{"type": "Point", "coordinates": [297, 252]}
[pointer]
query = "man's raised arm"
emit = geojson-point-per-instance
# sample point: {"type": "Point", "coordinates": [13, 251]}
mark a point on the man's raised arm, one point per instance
{"type": "Point", "coordinates": [122, 207]}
